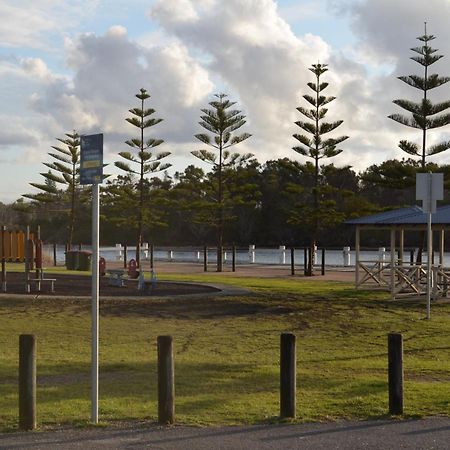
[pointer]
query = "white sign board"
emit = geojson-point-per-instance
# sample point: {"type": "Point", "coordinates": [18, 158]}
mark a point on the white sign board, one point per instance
{"type": "Point", "coordinates": [429, 189]}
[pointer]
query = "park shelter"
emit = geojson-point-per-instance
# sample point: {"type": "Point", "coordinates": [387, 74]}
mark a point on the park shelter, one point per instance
{"type": "Point", "coordinates": [400, 277]}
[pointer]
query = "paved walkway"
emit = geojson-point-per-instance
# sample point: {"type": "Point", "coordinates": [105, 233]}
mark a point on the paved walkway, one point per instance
{"type": "Point", "coordinates": [246, 270]}
{"type": "Point", "coordinates": [383, 434]}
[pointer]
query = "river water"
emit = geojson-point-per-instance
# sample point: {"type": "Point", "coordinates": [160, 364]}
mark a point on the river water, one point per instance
{"type": "Point", "coordinates": [270, 256]}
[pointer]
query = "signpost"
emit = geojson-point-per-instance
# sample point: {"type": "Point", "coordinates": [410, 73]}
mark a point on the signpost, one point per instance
{"type": "Point", "coordinates": [91, 172]}
{"type": "Point", "coordinates": [429, 189]}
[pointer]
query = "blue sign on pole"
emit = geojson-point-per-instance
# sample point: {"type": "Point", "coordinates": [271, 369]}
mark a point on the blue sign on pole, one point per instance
{"type": "Point", "coordinates": [91, 159]}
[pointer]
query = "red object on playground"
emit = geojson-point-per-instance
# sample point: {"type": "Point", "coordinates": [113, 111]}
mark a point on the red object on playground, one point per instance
{"type": "Point", "coordinates": [102, 266]}
{"type": "Point", "coordinates": [30, 244]}
{"type": "Point", "coordinates": [132, 269]}
{"type": "Point", "coordinates": [38, 253]}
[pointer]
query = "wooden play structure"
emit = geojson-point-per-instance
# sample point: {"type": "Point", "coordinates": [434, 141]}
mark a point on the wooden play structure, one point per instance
{"type": "Point", "coordinates": [12, 245]}
{"type": "Point", "coordinates": [400, 277]}
{"type": "Point", "coordinates": [19, 246]}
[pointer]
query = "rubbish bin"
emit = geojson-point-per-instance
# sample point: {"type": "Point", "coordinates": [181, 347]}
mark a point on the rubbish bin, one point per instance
{"type": "Point", "coordinates": [72, 260]}
{"type": "Point", "coordinates": [84, 260]}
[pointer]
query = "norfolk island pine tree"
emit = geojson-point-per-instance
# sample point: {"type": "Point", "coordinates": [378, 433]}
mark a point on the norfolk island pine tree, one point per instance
{"type": "Point", "coordinates": [422, 112]}
{"type": "Point", "coordinates": [220, 121]}
{"type": "Point", "coordinates": [143, 157]}
{"type": "Point", "coordinates": [313, 145]}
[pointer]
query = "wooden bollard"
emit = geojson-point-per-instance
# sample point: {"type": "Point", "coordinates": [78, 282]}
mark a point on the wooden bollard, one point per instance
{"type": "Point", "coordinates": [205, 258]}
{"type": "Point", "coordinates": [166, 384]}
{"type": "Point", "coordinates": [395, 373]}
{"type": "Point", "coordinates": [310, 261]}
{"type": "Point", "coordinates": [288, 384]}
{"type": "Point", "coordinates": [233, 259]}
{"type": "Point", "coordinates": [152, 250]}
{"type": "Point", "coordinates": [125, 256]}
{"type": "Point", "coordinates": [55, 262]}
{"type": "Point", "coordinates": [323, 261]}
{"type": "Point", "coordinates": [305, 261]}
{"type": "Point", "coordinates": [27, 382]}
{"type": "Point", "coordinates": [292, 261]}
{"type": "Point", "coordinates": [219, 267]}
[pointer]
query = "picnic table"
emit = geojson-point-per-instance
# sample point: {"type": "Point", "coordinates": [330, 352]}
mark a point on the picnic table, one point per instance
{"type": "Point", "coordinates": [38, 280]}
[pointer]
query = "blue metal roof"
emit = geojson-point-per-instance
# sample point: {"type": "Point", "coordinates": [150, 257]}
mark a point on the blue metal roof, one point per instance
{"type": "Point", "coordinates": [413, 215]}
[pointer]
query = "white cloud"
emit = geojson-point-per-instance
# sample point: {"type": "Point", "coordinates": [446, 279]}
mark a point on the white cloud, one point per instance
{"type": "Point", "coordinates": [243, 47]}
{"type": "Point", "coordinates": [31, 24]}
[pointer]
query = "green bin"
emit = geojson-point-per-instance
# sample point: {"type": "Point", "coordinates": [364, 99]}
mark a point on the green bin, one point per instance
{"type": "Point", "coordinates": [72, 260]}
{"type": "Point", "coordinates": [84, 260]}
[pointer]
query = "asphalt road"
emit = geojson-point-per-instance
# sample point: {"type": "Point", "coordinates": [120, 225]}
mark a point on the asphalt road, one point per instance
{"type": "Point", "coordinates": [424, 434]}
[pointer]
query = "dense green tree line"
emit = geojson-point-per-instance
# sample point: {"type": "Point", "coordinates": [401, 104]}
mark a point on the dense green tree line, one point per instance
{"type": "Point", "coordinates": [265, 204]}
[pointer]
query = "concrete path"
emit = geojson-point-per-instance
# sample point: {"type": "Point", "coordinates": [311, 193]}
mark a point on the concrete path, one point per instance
{"type": "Point", "coordinates": [246, 270]}
{"type": "Point", "coordinates": [429, 434]}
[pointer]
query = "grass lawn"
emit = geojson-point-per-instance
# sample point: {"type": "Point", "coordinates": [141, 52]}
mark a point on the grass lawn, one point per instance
{"type": "Point", "coordinates": [227, 353]}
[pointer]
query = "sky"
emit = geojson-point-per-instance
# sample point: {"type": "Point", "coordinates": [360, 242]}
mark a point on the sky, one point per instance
{"type": "Point", "coordinates": [76, 65]}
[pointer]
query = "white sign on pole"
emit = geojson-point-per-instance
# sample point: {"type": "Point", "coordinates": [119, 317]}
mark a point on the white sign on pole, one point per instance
{"type": "Point", "coordinates": [91, 172]}
{"type": "Point", "coordinates": [429, 188]}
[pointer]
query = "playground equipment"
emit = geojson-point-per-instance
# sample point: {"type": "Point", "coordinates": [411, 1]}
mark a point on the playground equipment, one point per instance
{"type": "Point", "coordinates": [26, 247]}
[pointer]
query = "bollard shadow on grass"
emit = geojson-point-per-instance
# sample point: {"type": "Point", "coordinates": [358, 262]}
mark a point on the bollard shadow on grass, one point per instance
{"type": "Point", "coordinates": [206, 393]}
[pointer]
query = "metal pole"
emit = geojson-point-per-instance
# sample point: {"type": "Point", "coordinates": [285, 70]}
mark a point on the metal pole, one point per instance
{"type": "Point", "coordinates": [27, 259]}
{"type": "Point", "coordinates": [429, 250]}
{"type": "Point", "coordinates": [3, 259]}
{"type": "Point", "coordinates": [95, 295]}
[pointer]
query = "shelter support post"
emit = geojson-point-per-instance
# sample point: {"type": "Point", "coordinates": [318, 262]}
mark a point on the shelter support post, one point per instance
{"type": "Point", "coordinates": [393, 263]}
{"type": "Point", "coordinates": [357, 245]}
{"type": "Point", "coordinates": [401, 246]}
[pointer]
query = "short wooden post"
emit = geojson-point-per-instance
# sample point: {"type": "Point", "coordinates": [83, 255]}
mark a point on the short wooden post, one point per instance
{"type": "Point", "coordinates": [166, 385]}
{"type": "Point", "coordinates": [125, 256]}
{"type": "Point", "coordinates": [310, 261]}
{"type": "Point", "coordinates": [305, 261]}
{"type": "Point", "coordinates": [219, 258]}
{"type": "Point", "coordinates": [27, 382]}
{"type": "Point", "coordinates": [411, 257]}
{"type": "Point", "coordinates": [152, 249]}
{"type": "Point", "coordinates": [80, 247]}
{"type": "Point", "coordinates": [323, 261]}
{"type": "Point", "coordinates": [288, 385]}
{"type": "Point", "coordinates": [233, 259]}
{"type": "Point", "coordinates": [292, 261]}
{"type": "Point", "coordinates": [395, 373]}
{"type": "Point", "coordinates": [55, 262]}
{"type": "Point", "coordinates": [205, 258]}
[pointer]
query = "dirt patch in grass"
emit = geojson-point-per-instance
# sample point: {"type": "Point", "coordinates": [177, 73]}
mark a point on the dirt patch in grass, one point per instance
{"type": "Point", "coordinates": [80, 286]}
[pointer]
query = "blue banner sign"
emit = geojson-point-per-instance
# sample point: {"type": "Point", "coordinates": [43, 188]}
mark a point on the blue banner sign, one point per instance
{"type": "Point", "coordinates": [91, 159]}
